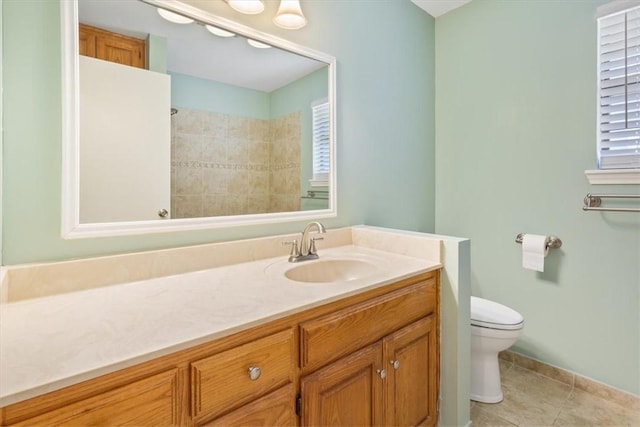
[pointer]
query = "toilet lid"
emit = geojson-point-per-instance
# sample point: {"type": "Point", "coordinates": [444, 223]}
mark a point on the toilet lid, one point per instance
{"type": "Point", "coordinates": [490, 314]}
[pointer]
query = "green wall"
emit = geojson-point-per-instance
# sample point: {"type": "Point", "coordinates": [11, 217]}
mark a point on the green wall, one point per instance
{"type": "Point", "coordinates": [385, 124]}
{"type": "Point", "coordinates": [515, 130]}
{"type": "Point", "coordinates": [209, 95]}
{"type": "Point", "coordinates": [298, 96]}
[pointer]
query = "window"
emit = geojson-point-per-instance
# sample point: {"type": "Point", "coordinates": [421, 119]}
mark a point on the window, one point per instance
{"type": "Point", "coordinates": [321, 134]}
{"type": "Point", "coordinates": [619, 89]}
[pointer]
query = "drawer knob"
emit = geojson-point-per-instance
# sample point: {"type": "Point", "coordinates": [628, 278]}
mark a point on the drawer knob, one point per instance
{"type": "Point", "coordinates": [254, 373]}
{"type": "Point", "coordinates": [382, 373]}
{"type": "Point", "coordinates": [395, 363]}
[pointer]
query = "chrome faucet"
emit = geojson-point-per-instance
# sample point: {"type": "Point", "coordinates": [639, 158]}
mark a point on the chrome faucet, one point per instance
{"type": "Point", "coordinates": [307, 248]}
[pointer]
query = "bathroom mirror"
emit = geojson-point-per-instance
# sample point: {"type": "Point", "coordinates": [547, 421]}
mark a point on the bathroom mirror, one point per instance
{"type": "Point", "coordinates": [186, 142]}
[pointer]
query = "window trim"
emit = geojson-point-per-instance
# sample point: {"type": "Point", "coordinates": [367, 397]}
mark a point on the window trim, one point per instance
{"type": "Point", "coordinates": [615, 7]}
{"type": "Point", "coordinates": [611, 176]}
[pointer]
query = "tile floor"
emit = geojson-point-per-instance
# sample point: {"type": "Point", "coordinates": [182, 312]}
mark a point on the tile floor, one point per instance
{"type": "Point", "coordinates": [532, 399]}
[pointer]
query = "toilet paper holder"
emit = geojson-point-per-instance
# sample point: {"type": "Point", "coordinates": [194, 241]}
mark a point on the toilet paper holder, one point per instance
{"type": "Point", "coordinates": [552, 242]}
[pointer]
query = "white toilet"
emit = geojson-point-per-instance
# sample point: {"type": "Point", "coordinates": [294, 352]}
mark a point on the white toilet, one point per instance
{"type": "Point", "coordinates": [494, 327]}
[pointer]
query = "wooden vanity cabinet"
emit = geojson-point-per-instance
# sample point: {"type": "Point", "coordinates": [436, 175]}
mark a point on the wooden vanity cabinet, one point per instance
{"type": "Point", "coordinates": [393, 381]}
{"type": "Point", "coordinates": [349, 392]}
{"type": "Point", "coordinates": [411, 357]}
{"type": "Point", "coordinates": [209, 385]}
{"type": "Point", "coordinates": [368, 359]}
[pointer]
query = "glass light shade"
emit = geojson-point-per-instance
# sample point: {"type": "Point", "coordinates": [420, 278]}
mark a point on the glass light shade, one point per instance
{"type": "Point", "coordinates": [219, 31]}
{"type": "Point", "coordinates": [258, 44]}
{"type": "Point", "coordinates": [249, 7]}
{"type": "Point", "coordinates": [290, 15]}
{"type": "Point", "coordinates": [174, 17]}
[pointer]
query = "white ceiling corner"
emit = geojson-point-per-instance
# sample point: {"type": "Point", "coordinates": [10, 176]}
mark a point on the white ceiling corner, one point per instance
{"type": "Point", "coordinates": [437, 8]}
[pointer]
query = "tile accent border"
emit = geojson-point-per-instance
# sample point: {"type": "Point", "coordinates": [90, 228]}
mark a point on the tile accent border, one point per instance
{"type": "Point", "coordinates": [574, 380]}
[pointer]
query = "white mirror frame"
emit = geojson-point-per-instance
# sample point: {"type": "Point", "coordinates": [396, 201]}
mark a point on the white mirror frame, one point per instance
{"type": "Point", "coordinates": [71, 226]}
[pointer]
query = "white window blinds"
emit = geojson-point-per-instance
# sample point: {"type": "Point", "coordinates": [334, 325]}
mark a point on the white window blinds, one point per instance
{"type": "Point", "coordinates": [321, 133]}
{"type": "Point", "coordinates": [619, 80]}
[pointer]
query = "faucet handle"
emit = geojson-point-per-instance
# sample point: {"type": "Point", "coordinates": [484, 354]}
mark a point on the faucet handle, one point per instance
{"type": "Point", "coordinates": [312, 245]}
{"type": "Point", "coordinates": [295, 252]}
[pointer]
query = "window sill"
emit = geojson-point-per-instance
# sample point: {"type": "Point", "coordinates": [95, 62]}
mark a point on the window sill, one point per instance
{"type": "Point", "coordinates": [613, 176]}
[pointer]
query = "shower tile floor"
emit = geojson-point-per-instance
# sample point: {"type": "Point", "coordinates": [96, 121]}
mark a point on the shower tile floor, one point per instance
{"type": "Point", "coordinates": [532, 399]}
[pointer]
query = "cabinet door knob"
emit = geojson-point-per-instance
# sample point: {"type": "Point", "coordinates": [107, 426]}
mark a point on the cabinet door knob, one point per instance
{"type": "Point", "coordinates": [395, 363]}
{"type": "Point", "coordinates": [163, 213]}
{"type": "Point", "coordinates": [254, 373]}
{"type": "Point", "coordinates": [382, 373]}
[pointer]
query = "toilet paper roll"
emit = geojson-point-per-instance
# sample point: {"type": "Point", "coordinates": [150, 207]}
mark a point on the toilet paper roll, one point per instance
{"type": "Point", "coordinates": [534, 250]}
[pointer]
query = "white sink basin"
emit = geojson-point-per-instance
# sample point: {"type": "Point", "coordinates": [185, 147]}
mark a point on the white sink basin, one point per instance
{"type": "Point", "coordinates": [332, 270]}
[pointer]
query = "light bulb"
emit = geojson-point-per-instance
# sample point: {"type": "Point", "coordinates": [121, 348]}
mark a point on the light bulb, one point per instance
{"type": "Point", "coordinates": [174, 17]}
{"type": "Point", "coordinates": [258, 44]}
{"type": "Point", "coordinates": [249, 7]}
{"type": "Point", "coordinates": [290, 15]}
{"type": "Point", "coordinates": [219, 31]}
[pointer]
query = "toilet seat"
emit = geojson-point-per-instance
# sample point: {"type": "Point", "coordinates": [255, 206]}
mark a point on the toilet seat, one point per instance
{"type": "Point", "coordinates": [492, 315]}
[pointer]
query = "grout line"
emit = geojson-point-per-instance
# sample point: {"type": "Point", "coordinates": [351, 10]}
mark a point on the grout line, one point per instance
{"type": "Point", "coordinates": [564, 402]}
{"type": "Point", "coordinates": [556, 418]}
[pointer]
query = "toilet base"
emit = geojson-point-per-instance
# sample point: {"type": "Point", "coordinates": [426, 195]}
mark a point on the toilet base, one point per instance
{"type": "Point", "coordinates": [487, 399]}
{"type": "Point", "coordinates": [485, 378]}
{"type": "Point", "coordinates": [494, 328]}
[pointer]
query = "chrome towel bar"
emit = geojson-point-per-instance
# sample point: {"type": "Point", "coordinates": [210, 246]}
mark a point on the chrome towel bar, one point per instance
{"type": "Point", "coordinates": [552, 242]}
{"type": "Point", "coordinates": [316, 195]}
{"type": "Point", "coordinates": [592, 202]}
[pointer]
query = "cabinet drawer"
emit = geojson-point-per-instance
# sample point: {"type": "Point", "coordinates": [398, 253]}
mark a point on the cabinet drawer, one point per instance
{"type": "Point", "coordinates": [276, 409]}
{"type": "Point", "coordinates": [329, 337]}
{"type": "Point", "coordinates": [152, 401]}
{"type": "Point", "coordinates": [222, 382]}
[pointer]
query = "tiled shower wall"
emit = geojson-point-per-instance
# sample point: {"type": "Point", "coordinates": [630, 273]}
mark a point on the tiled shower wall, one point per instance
{"type": "Point", "coordinates": [229, 165]}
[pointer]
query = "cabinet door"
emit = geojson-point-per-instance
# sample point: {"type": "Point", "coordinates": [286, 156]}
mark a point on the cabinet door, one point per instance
{"type": "Point", "coordinates": [121, 50]}
{"type": "Point", "coordinates": [276, 409]}
{"type": "Point", "coordinates": [153, 401]}
{"type": "Point", "coordinates": [411, 359]}
{"type": "Point", "coordinates": [346, 393]}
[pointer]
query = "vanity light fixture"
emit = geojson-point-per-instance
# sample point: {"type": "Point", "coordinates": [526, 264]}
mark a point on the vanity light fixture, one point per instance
{"type": "Point", "coordinates": [290, 16]}
{"type": "Point", "coordinates": [258, 44]}
{"type": "Point", "coordinates": [218, 31]}
{"type": "Point", "coordinates": [249, 7]}
{"type": "Point", "coordinates": [174, 17]}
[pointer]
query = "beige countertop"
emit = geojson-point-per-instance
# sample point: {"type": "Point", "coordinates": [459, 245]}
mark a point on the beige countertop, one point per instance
{"type": "Point", "coordinates": [53, 341]}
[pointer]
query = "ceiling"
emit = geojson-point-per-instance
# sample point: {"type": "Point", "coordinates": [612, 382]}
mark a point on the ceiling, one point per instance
{"type": "Point", "coordinates": [192, 50]}
{"type": "Point", "coordinates": [437, 8]}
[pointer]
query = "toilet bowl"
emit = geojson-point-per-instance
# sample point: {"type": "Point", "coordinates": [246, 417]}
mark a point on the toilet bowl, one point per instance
{"type": "Point", "coordinates": [494, 328]}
